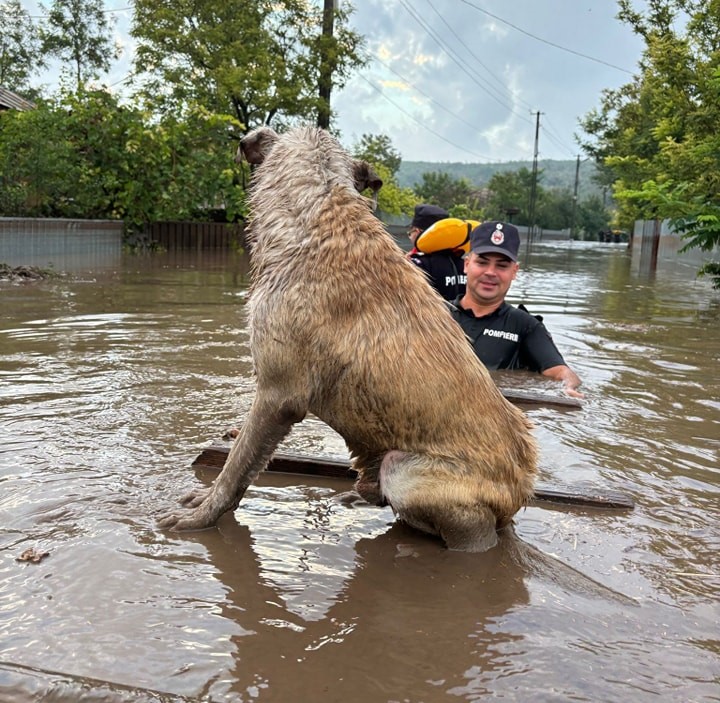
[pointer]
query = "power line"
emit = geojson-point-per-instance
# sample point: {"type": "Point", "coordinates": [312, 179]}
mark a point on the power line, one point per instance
{"type": "Point", "coordinates": [455, 60]}
{"type": "Point", "coordinates": [424, 126]}
{"type": "Point", "coordinates": [501, 83]}
{"type": "Point", "coordinates": [425, 95]}
{"type": "Point", "coordinates": [556, 141]}
{"type": "Point", "coordinates": [560, 141]}
{"type": "Point", "coordinates": [545, 41]}
{"type": "Point", "coordinates": [128, 77]}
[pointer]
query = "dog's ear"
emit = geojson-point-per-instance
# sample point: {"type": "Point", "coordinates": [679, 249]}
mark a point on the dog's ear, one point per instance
{"type": "Point", "coordinates": [365, 177]}
{"type": "Point", "coordinates": [256, 145]}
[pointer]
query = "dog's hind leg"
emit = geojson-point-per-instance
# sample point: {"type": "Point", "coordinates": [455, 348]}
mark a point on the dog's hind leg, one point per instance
{"type": "Point", "coordinates": [468, 528]}
{"type": "Point", "coordinates": [420, 492]}
{"type": "Point", "coordinates": [367, 484]}
{"type": "Point", "coordinates": [266, 425]}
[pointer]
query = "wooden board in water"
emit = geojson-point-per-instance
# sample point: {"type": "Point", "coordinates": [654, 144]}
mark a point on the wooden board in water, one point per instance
{"type": "Point", "coordinates": [214, 456]}
{"type": "Point", "coordinates": [521, 398]}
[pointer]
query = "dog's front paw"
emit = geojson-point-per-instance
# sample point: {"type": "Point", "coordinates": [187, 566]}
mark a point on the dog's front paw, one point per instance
{"type": "Point", "coordinates": [199, 512]}
{"type": "Point", "coordinates": [182, 520]}
{"type": "Point", "coordinates": [195, 498]}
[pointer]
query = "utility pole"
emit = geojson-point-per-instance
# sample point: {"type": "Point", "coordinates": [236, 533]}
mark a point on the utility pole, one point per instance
{"type": "Point", "coordinates": [327, 65]}
{"type": "Point", "coordinates": [574, 202]}
{"type": "Point", "coordinates": [533, 184]}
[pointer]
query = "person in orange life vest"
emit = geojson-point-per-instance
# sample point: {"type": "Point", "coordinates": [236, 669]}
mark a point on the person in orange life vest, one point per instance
{"type": "Point", "coordinates": [503, 336]}
{"type": "Point", "coordinates": [444, 269]}
{"type": "Point", "coordinates": [423, 217]}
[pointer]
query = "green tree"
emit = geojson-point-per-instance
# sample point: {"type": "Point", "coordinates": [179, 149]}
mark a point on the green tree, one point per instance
{"type": "Point", "coordinates": [444, 190]}
{"type": "Point", "coordinates": [509, 189]}
{"type": "Point", "coordinates": [468, 211]}
{"type": "Point", "coordinates": [198, 169]}
{"type": "Point", "coordinates": [592, 217]}
{"type": "Point", "coordinates": [258, 60]}
{"type": "Point", "coordinates": [34, 162]}
{"type": "Point", "coordinates": [657, 137]}
{"type": "Point", "coordinates": [554, 208]}
{"type": "Point", "coordinates": [85, 155]}
{"type": "Point", "coordinates": [79, 33]}
{"type": "Point", "coordinates": [378, 149]}
{"type": "Point", "coordinates": [20, 49]}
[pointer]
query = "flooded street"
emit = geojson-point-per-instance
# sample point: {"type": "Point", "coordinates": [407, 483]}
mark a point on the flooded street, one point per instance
{"type": "Point", "coordinates": [113, 381]}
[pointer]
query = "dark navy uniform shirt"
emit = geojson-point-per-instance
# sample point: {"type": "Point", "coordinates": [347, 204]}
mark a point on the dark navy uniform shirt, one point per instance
{"type": "Point", "coordinates": [445, 271]}
{"type": "Point", "coordinates": [508, 338]}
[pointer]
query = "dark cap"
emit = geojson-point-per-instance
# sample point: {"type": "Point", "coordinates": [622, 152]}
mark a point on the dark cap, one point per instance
{"type": "Point", "coordinates": [426, 215]}
{"type": "Point", "coordinates": [495, 237]}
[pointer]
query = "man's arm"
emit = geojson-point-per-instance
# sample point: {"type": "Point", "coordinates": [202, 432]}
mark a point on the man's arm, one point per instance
{"type": "Point", "coordinates": [567, 376]}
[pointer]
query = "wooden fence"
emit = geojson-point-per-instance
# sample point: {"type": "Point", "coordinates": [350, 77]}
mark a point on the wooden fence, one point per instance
{"type": "Point", "coordinates": [38, 241]}
{"type": "Point", "coordinates": [197, 235]}
{"type": "Point", "coordinates": [67, 245]}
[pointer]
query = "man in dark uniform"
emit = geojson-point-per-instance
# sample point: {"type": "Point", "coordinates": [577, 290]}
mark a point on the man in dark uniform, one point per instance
{"type": "Point", "coordinates": [444, 269]}
{"type": "Point", "coordinates": [504, 337]}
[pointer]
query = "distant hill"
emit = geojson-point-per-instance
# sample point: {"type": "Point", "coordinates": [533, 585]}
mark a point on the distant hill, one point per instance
{"type": "Point", "coordinates": [555, 173]}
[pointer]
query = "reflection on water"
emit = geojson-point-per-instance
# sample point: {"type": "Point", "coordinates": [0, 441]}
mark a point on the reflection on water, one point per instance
{"type": "Point", "coordinates": [112, 381]}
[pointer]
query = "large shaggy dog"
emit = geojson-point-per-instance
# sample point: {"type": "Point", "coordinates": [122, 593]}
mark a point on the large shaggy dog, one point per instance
{"type": "Point", "coordinates": [344, 327]}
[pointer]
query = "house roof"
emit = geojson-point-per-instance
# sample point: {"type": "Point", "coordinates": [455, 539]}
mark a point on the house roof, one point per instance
{"type": "Point", "coordinates": [10, 100]}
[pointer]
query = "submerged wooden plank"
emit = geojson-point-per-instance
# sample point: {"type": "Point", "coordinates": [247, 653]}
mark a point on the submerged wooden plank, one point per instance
{"type": "Point", "coordinates": [214, 456]}
{"type": "Point", "coordinates": [517, 397]}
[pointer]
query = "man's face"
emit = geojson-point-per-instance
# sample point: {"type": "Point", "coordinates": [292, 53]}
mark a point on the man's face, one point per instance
{"type": "Point", "coordinates": [489, 277]}
{"type": "Point", "coordinates": [413, 234]}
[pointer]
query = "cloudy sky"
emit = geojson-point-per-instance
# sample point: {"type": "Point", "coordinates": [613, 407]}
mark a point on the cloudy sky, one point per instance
{"type": "Point", "coordinates": [462, 80]}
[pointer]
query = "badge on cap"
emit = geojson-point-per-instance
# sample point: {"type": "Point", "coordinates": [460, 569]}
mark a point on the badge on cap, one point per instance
{"type": "Point", "coordinates": [497, 237]}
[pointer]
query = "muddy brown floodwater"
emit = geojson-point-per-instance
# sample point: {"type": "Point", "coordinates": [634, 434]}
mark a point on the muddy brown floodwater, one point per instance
{"type": "Point", "coordinates": [112, 382]}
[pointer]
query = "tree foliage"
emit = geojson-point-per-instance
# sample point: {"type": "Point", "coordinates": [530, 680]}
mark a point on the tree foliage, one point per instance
{"type": "Point", "coordinates": [20, 50]}
{"type": "Point", "coordinates": [84, 155]}
{"type": "Point", "coordinates": [258, 60]}
{"type": "Point", "coordinates": [592, 217]}
{"type": "Point", "coordinates": [657, 137]}
{"type": "Point", "coordinates": [442, 189]}
{"type": "Point", "coordinates": [510, 189]}
{"type": "Point", "coordinates": [213, 70]}
{"type": "Point", "coordinates": [79, 33]}
{"type": "Point", "coordinates": [378, 149]}
{"type": "Point", "coordinates": [392, 199]}
{"type": "Point", "coordinates": [555, 173]}
{"type": "Point", "coordinates": [553, 207]}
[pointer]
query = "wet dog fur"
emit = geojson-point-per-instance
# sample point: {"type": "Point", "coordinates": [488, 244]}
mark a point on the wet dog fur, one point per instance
{"type": "Point", "coordinates": [344, 327]}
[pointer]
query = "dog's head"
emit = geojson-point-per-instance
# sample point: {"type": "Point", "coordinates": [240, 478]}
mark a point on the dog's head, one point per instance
{"type": "Point", "coordinates": [257, 144]}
